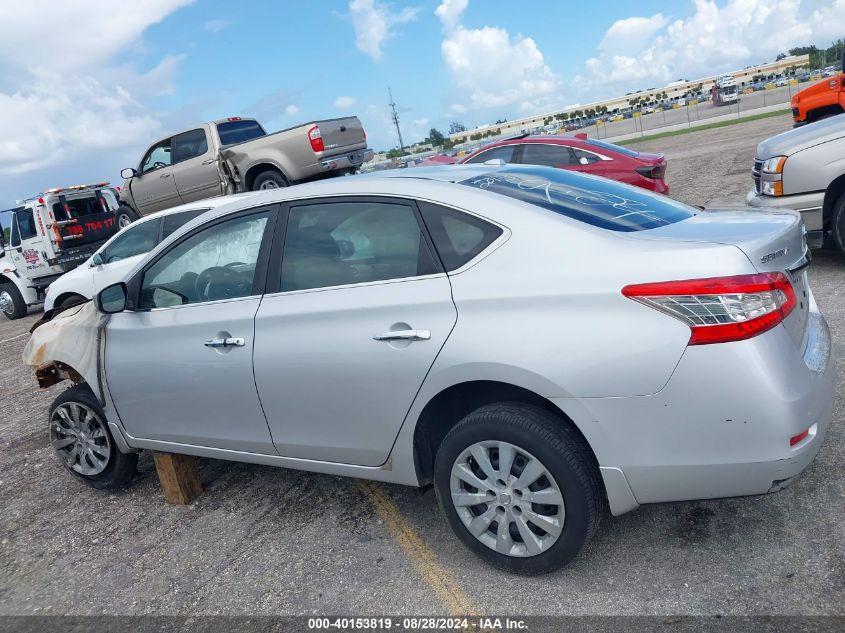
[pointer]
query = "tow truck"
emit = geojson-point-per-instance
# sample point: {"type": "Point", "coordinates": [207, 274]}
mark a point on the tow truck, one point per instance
{"type": "Point", "coordinates": [823, 99]}
{"type": "Point", "coordinates": [725, 91]}
{"type": "Point", "coordinates": [47, 235]}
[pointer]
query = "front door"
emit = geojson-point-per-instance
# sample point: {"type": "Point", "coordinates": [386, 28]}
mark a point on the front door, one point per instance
{"type": "Point", "coordinates": [154, 188]}
{"type": "Point", "coordinates": [195, 167]}
{"type": "Point", "coordinates": [361, 312]}
{"type": "Point", "coordinates": [27, 244]}
{"type": "Point", "coordinates": [179, 366]}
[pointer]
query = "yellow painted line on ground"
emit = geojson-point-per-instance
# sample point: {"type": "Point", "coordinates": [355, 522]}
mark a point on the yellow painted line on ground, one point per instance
{"type": "Point", "coordinates": [450, 593]}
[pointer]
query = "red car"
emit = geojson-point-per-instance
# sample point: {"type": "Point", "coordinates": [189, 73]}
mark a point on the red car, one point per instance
{"type": "Point", "coordinates": [580, 153]}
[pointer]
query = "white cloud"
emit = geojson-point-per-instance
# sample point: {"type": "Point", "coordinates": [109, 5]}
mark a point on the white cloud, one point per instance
{"type": "Point", "coordinates": [715, 38]}
{"type": "Point", "coordinates": [457, 108]}
{"type": "Point", "coordinates": [492, 68]}
{"type": "Point", "coordinates": [66, 100]}
{"type": "Point", "coordinates": [341, 103]}
{"type": "Point", "coordinates": [215, 26]}
{"type": "Point", "coordinates": [292, 109]}
{"type": "Point", "coordinates": [373, 23]}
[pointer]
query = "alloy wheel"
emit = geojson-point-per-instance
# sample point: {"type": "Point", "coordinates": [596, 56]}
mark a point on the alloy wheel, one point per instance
{"type": "Point", "coordinates": [507, 498]}
{"type": "Point", "coordinates": [268, 184]}
{"type": "Point", "coordinates": [7, 305]}
{"type": "Point", "coordinates": [123, 221]}
{"type": "Point", "coordinates": [80, 438]}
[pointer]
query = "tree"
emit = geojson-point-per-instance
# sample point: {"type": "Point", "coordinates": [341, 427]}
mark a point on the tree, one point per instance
{"type": "Point", "coordinates": [435, 137]}
{"type": "Point", "coordinates": [780, 57]}
{"type": "Point", "coordinates": [455, 127]}
{"type": "Point", "coordinates": [500, 121]}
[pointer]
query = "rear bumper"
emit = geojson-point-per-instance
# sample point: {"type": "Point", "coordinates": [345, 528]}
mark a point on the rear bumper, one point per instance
{"type": "Point", "coordinates": [722, 425]}
{"type": "Point", "coordinates": [345, 161]}
{"type": "Point", "coordinates": [71, 257]}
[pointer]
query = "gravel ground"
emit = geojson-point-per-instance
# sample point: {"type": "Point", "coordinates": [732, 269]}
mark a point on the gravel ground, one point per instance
{"type": "Point", "coordinates": [269, 541]}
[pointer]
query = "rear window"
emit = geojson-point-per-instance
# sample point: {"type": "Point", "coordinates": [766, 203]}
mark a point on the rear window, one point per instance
{"type": "Point", "coordinates": [592, 200]}
{"type": "Point", "coordinates": [611, 147]}
{"type": "Point", "coordinates": [232, 132]}
{"type": "Point", "coordinates": [78, 207]}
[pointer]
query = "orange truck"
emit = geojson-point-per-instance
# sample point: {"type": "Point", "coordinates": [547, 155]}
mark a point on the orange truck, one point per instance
{"type": "Point", "coordinates": [823, 99]}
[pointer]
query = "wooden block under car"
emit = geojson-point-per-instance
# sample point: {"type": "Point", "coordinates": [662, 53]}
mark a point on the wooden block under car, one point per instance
{"type": "Point", "coordinates": [178, 477]}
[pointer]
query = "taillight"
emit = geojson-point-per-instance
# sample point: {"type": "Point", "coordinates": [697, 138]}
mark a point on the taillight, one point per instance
{"type": "Point", "coordinates": [655, 172]}
{"type": "Point", "coordinates": [721, 309]}
{"type": "Point", "coordinates": [315, 137]}
{"type": "Point", "coordinates": [364, 132]}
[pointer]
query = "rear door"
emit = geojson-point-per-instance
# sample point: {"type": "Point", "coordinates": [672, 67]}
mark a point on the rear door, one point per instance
{"type": "Point", "coordinates": [195, 166]}
{"type": "Point", "coordinates": [359, 312]}
{"type": "Point", "coordinates": [154, 188]}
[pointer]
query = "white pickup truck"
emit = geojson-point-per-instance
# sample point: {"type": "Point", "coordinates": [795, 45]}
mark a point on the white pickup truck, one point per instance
{"type": "Point", "coordinates": [235, 155]}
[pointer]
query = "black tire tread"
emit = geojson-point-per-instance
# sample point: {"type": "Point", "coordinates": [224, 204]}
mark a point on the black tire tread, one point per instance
{"type": "Point", "coordinates": [837, 224]}
{"type": "Point", "coordinates": [19, 308]}
{"type": "Point", "coordinates": [121, 469]}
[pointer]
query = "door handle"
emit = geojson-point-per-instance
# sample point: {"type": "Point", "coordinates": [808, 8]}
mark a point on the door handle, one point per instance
{"type": "Point", "coordinates": [165, 176]}
{"type": "Point", "coordinates": [232, 341]}
{"type": "Point", "coordinates": [208, 161]}
{"type": "Point", "coordinates": [404, 335]}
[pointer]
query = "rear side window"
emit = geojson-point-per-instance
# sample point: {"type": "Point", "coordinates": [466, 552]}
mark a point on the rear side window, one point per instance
{"type": "Point", "coordinates": [173, 221]}
{"type": "Point", "coordinates": [189, 145]}
{"type": "Point", "coordinates": [458, 237]}
{"type": "Point", "coordinates": [232, 132]}
{"type": "Point", "coordinates": [546, 155]}
{"type": "Point", "coordinates": [503, 152]}
{"type": "Point", "coordinates": [595, 201]}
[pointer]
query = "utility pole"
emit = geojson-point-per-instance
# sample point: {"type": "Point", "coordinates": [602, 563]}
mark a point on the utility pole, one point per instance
{"type": "Point", "coordinates": [395, 117]}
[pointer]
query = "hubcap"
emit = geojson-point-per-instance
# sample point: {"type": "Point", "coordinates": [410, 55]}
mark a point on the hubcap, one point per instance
{"type": "Point", "coordinates": [80, 439]}
{"type": "Point", "coordinates": [268, 184]}
{"type": "Point", "coordinates": [6, 303]}
{"type": "Point", "coordinates": [507, 498]}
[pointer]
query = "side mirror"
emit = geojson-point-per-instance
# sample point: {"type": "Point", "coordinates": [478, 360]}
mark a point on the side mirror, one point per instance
{"type": "Point", "coordinates": [97, 260]}
{"type": "Point", "coordinates": [112, 299]}
{"type": "Point", "coordinates": [128, 173]}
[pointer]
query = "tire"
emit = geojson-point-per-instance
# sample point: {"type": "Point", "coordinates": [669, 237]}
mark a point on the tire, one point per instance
{"type": "Point", "coordinates": [269, 179]}
{"type": "Point", "coordinates": [11, 302]}
{"type": "Point", "coordinates": [837, 224]}
{"type": "Point", "coordinates": [568, 471]}
{"type": "Point", "coordinates": [77, 416]}
{"type": "Point", "coordinates": [125, 215]}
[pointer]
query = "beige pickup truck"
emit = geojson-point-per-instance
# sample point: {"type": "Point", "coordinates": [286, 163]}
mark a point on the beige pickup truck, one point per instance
{"type": "Point", "coordinates": [234, 155]}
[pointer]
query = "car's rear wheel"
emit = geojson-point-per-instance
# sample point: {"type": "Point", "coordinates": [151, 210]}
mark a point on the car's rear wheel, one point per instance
{"type": "Point", "coordinates": [519, 487]}
{"type": "Point", "coordinates": [81, 439]}
{"type": "Point", "coordinates": [125, 215]}
{"type": "Point", "coordinates": [837, 224]}
{"type": "Point", "coordinates": [11, 302]}
{"type": "Point", "coordinates": [269, 179]}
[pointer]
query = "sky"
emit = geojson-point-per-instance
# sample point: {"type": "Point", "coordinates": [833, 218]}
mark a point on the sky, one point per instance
{"type": "Point", "coordinates": [87, 85]}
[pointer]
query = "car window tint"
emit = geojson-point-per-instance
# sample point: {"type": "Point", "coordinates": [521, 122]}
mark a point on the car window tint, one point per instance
{"type": "Point", "coordinates": [157, 157]}
{"type": "Point", "coordinates": [613, 148]}
{"type": "Point", "coordinates": [217, 263]}
{"type": "Point", "coordinates": [134, 240]}
{"type": "Point", "coordinates": [546, 155]}
{"type": "Point", "coordinates": [597, 201]}
{"type": "Point", "coordinates": [458, 237]}
{"type": "Point", "coordinates": [5, 225]}
{"type": "Point", "coordinates": [26, 223]}
{"type": "Point", "coordinates": [233, 132]}
{"type": "Point", "coordinates": [588, 156]}
{"type": "Point", "coordinates": [503, 152]}
{"type": "Point", "coordinates": [189, 145]}
{"type": "Point", "coordinates": [341, 243]}
{"type": "Point", "coordinates": [173, 221]}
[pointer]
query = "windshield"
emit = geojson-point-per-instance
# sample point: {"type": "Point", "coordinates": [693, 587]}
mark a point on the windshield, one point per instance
{"type": "Point", "coordinates": [595, 201]}
{"type": "Point", "coordinates": [5, 226]}
{"type": "Point", "coordinates": [232, 132]}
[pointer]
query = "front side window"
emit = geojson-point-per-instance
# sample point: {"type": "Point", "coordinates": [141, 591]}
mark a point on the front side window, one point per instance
{"type": "Point", "coordinates": [24, 227]}
{"type": "Point", "coordinates": [547, 155]}
{"type": "Point", "coordinates": [503, 152]}
{"type": "Point", "coordinates": [341, 243]}
{"type": "Point", "coordinates": [157, 157]}
{"type": "Point", "coordinates": [217, 263]}
{"type": "Point", "coordinates": [189, 145]}
{"type": "Point", "coordinates": [137, 239]}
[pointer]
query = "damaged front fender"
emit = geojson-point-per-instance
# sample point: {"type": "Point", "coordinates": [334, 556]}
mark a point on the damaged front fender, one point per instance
{"type": "Point", "coordinates": [67, 347]}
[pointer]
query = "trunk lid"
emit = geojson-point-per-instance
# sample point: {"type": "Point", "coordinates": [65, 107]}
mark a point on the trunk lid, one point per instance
{"type": "Point", "coordinates": [773, 240]}
{"type": "Point", "coordinates": [341, 135]}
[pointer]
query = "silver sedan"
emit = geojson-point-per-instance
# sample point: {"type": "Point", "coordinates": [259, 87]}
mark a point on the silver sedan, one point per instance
{"type": "Point", "coordinates": [540, 345]}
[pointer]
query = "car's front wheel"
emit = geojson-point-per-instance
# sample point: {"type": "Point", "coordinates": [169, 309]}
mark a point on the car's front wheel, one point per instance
{"type": "Point", "coordinates": [519, 487]}
{"type": "Point", "coordinates": [81, 439]}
